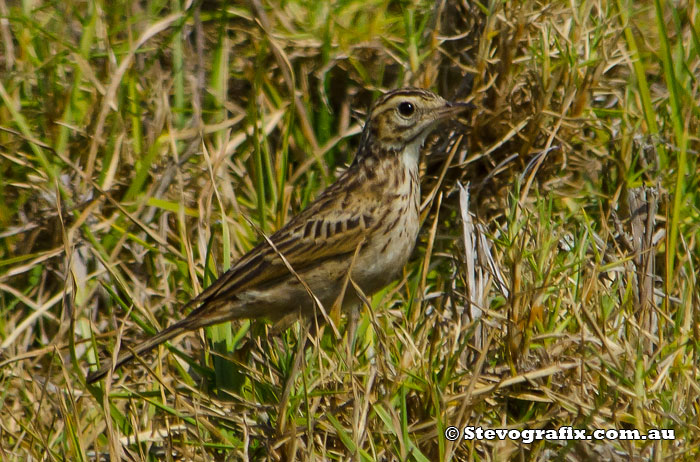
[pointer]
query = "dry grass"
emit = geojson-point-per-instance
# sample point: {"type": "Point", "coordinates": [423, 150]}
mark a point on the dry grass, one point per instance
{"type": "Point", "coordinates": [145, 146]}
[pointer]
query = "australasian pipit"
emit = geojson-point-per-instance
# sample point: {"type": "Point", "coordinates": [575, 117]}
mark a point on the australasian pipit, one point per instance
{"type": "Point", "coordinates": [363, 226]}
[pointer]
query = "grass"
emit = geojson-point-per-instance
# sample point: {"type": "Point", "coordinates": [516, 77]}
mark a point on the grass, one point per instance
{"type": "Point", "coordinates": [145, 146]}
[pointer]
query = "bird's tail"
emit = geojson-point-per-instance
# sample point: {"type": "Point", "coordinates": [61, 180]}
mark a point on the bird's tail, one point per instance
{"type": "Point", "coordinates": [185, 325]}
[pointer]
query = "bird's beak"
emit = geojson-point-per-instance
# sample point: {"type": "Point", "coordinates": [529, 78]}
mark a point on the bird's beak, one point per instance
{"type": "Point", "coordinates": [450, 109]}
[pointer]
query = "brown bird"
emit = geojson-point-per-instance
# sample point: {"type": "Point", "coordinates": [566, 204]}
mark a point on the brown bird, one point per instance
{"type": "Point", "coordinates": [364, 225]}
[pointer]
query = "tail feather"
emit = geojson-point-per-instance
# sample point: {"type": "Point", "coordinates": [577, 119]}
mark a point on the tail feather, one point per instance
{"type": "Point", "coordinates": [142, 348]}
{"type": "Point", "coordinates": [209, 313]}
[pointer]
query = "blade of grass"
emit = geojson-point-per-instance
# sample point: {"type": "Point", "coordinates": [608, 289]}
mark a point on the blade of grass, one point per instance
{"type": "Point", "coordinates": [681, 144]}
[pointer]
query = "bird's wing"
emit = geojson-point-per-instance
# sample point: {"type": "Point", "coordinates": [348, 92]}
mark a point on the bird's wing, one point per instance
{"type": "Point", "coordinates": [334, 225]}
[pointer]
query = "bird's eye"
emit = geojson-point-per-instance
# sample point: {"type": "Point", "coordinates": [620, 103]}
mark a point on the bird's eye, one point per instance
{"type": "Point", "coordinates": [406, 109]}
